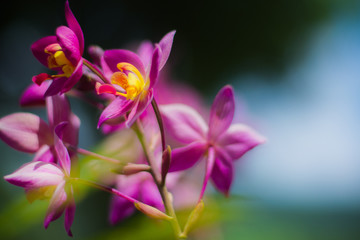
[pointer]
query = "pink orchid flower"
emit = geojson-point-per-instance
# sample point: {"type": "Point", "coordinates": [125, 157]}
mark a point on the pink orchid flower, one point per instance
{"type": "Point", "coordinates": [27, 132]}
{"type": "Point", "coordinates": [42, 180]}
{"type": "Point", "coordinates": [219, 141]}
{"type": "Point", "coordinates": [61, 53]}
{"type": "Point", "coordinates": [133, 77]}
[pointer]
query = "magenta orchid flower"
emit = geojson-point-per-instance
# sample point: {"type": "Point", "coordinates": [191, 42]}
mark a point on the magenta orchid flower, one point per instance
{"type": "Point", "coordinates": [219, 141]}
{"type": "Point", "coordinates": [61, 53]}
{"type": "Point", "coordinates": [43, 180]}
{"type": "Point", "coordinates": [133, 77]}
{"type": "Point", "coordinates": [27, 132]}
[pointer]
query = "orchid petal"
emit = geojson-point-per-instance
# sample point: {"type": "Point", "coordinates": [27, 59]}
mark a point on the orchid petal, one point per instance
{"type": "Point", "coordinates": [55, 87]}
{"type": "Point", "coordinates": [74, 78]}
{"type": "Point", "coordinates": [39, 46]}
{"type": "Point", "coordinates": [61, 150]}
{"type": "Point", "coordinates": [145, 52]}
{"type": "Point", "coordinates": [74, 26]}
{"type": "Point", "coordinates": [45, 154]}
{"type": "Point", "coordinates": [96, 53]}
{"type": "Point", "coordinates": [25, 132]}
{"type": "Point", "coordinates": [58, 109]}
{"type": "Point", "coordinates": [113, 57]}
{"type": "Point", "coordinates": [155, 68]}
{"type": "Point", "coordinates": [57, 204]}
{"type": "Point", "coordinates": [150, 195]}
{"type": "Point", "coordinates": [222, 174]}
{"type": "Point", "coordinates": [69, 44]}
{"type": "Point", "coordinates": [115, 109]}
{"type": "Point", "coordinates": [36, 175]}
{"type": "Point", "coordinates": [209, 167]}
{"type": "Point", "coordinates": [69, 214]}
{"type": "Point", "coordinates": [222, 112]}
{"type": "Point", "coordinates": [183, 123]}
{"type": "Point", "coordinates": [139, 107]}
{"type": "Point", "coordinates": [166, 45]}
{"type": "Point", "coordinates": [34, 95]}
{"type": "Point", "coordinates": [239, 139]}
{"type": "Point", "coordinates": [71, 134]}
{"type": "Point", "coordinates": [185, 157]}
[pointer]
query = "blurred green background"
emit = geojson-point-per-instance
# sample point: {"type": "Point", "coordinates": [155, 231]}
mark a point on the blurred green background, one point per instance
{"type": "Point", "coordinates": [295, 66]}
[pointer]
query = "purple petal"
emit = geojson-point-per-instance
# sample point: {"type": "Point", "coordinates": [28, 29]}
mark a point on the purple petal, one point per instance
{"type": "Point", "coordinates": [61, 150]}
{"type": "Point", "coordinates": [58, 109]}
{"type": "Point", "coordinates": [25, 132]}
{"type": "Point", "coordinates": [36, 175]}
{"type": "Point", "coordinates": [166, 45]}
{"type": "Point", "coordinates": [222, 174]}
{"type": "Point", "coordinates": [45, 154]}
{"type": "Point", "coordinates": [121, 208]}
{"type": "Point", "coordinates": [185, 157]}
{"type": "Point", "coordinates": [115, 109]}
{"type": "Point", "coordinates": [55, 87]}
{"type": "Point", "coordinates": [34, 95]}
{"type": "Point", "coordinates": [183, 123]}
{"type": "Point", "coordinates": [69, 215]}
{"type": "Point", "coordinates": [239, 139]}
{"type": "Point", "coordinates": [69, 44]}
{"type": "Point", "coordinates": [39, 46]}
{"type": "Point", "coordinates": [155, 67]}
{"type": "Point", "coordinates": [75, 26]}
{"type": "Point", "coordinates": [96, 53]}
{"type": "Point", "coordinates": [74, 78]}
{"type": "Point", "coordinates": [222, 112]}
{"type": "Point", "coordinates": [71, 132]}
{"type": "Point", "coordinates": [139, 107]}
{"type": "Point", "coordinates": [209, 167]}
{"type": "Point", "coordinates": [57, 204]}
{"type": "Point", "coordinates": [145, 52]}
{"type": "Point", "coordinates": [113, 57]}
{"type": "Point", "coordinates": [150, 195]}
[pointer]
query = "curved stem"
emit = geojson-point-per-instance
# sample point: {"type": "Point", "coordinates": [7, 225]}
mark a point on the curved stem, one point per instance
{"type": "Point", "coordinates": [165, 195]}
{"type": "Point", "coordinates": [95, 70]}
{"type": "Point", "coordinates": [160, 122]}
{"type": "Point", "coordinates": [95, 155]}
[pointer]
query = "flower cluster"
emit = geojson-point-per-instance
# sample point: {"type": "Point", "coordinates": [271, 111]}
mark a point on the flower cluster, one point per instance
{"type": "Point", "coordinates": [122, 85]}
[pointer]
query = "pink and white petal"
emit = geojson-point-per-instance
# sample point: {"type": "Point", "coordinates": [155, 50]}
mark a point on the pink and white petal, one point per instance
{"type": "Point", "coordinates": [75, 26]}
{"type": "Point", "coordinates": [45, 154]}
{"type": "Point", "coordinates": [34, 95]}
{"type": "Point", "coordinates": [58, 109]}
{"type": "Point", "coordinates": [71, 132]}
{"type": "Point", "coordinates": [115, 109]}
{"type": "Point", "coordinates": [115, 56]}
{"type": "Point", "coordinates": [239, 139]}
{"type": "Point", "coordinates": [222, 175]}
{"type": "Point", "coordinates": [25, 132]}
{"type": "Point", "coordinates": [139, 107]}
{"type": "Point", "coordinates": [69, 215]}
{"type": "Point", "coordinates": [36, 175]}
{"type": "Point", "coordinates": [61, 150]}
{"type": "Point", "coordinates": [145, 52]}
{"type": "Point", "coordinates": [69, 43]}
{"type": "Point", "coordinates": [184, 123]}
{"type": "Point", "coordinates": [185, 157]}
{"type": "Point", "coordinates": [222, 112]}
{"type": "Point", "coordinates": [57, 204]}
{"type": "Point", "coordinates": [39, 46]}
{"type": "Point", "coordinates": [155, 67]}
{"type": "Point", "coordinates": [166, 45]}
{"type": "Point", "coordinates": [209, 167]}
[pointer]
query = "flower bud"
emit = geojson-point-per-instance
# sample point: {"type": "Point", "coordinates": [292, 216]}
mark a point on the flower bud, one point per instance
{"type": "Point", "coordinates": [132, 168]}
{"type": "Point", "coordinates": [165, 164]}
{"type": "Point", "coordinates": [151, 211]}
{"type": "Point", "coordinates": [193, 218]}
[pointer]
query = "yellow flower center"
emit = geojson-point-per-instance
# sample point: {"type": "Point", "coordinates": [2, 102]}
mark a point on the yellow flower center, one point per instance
{"type": "Point", "coordinates": [57, 59]}
{"type": "Point", "coordinates": [130, 79]}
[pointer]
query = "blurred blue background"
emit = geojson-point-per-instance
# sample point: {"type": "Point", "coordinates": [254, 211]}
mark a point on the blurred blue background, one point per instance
{"type": "Point", "coordinates": [295, 66]}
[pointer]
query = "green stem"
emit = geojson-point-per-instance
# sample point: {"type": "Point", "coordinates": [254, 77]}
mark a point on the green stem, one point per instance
{"type": "Point", "coordinates": [165, 195]}
{"type": "Point", "coordinates": [95, 70]}
{"type": "Point", "coordinates": [160, 122]}
{"type": "Point", "coordinates": [95, 155]}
